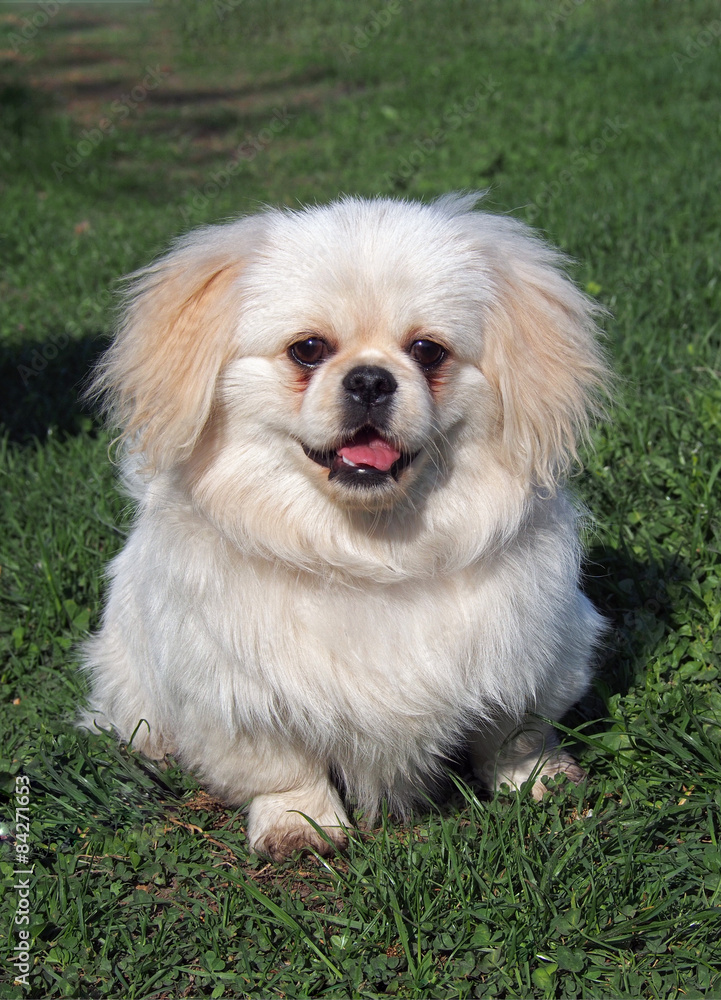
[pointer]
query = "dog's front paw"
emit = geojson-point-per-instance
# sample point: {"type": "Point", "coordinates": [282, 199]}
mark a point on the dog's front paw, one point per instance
{"type": "Point", "coordinates": [279, 843]}
{"type": "Point", "coordinates": [277, 825]}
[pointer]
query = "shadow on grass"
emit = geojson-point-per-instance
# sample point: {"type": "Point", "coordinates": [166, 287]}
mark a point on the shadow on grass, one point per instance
{"type": "Point", "coordinates": [42, 384]}
{"type": "Point", "coordinates": [76, 58]}
{"type": "Point", "coordinates": [282, 85]}
{"type": "Point", "coordinates": [78, 22]}
{"type": "Point", "coordinates": [633, 595]}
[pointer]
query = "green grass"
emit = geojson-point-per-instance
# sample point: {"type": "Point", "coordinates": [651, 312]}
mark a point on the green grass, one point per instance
{"type": "Point", "coordinates": [142, 886]}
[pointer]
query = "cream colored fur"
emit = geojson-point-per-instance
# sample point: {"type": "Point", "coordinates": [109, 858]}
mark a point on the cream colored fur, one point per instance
{"type": "Point", "coordinates": [276, 630]}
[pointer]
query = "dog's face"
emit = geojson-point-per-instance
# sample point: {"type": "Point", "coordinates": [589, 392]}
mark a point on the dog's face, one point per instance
{"type": "Point", "coordinates": [360, 353]}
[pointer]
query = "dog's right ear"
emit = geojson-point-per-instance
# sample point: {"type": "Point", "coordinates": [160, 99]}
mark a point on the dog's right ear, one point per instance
{"type": "Point", "coordinates": [157, 379]}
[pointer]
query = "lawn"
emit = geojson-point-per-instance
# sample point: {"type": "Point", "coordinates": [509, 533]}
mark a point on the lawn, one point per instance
{"type": "Point", "coordinates": [123, 125]}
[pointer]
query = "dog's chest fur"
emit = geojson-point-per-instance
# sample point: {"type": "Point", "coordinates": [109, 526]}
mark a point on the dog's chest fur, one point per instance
{"type": "Point", "coordinates": [338, 658]}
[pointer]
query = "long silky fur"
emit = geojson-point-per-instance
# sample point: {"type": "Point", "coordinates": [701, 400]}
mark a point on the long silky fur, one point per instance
{"type": "Point", "coordinates": [269, 629]}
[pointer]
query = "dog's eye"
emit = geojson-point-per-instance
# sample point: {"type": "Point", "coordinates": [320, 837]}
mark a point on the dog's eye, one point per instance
{"type": "Point", "coordinates": [427, 353]}
{"type": "Point", "coordinates": [309, 352]}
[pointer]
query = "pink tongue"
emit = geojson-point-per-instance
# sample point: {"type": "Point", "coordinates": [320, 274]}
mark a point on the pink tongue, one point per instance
{"type": "Point", "coordinates": [377, 453]}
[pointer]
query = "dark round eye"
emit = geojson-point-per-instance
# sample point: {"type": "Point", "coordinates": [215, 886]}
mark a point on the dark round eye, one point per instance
{"type": "Point", "coordinates": [309, 352]}
{"type": "Point", "coordinates": [427, 353]}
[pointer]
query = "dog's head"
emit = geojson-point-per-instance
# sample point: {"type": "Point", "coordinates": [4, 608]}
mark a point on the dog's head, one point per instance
{"type": "Point", "coordinates": [362, 352]}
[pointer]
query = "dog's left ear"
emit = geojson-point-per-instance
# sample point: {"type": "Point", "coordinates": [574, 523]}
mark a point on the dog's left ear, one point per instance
{"type": "Point", "coordinates": [541, 355]}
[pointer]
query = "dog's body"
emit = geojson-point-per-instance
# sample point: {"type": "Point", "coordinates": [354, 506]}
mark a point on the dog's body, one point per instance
{"type": "Point", "coordinates": [344, 429]}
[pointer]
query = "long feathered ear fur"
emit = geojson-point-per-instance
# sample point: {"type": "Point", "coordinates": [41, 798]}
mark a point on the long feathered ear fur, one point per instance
{"type": "Point", "coordinates": [156, 381]}
{"type": "Point", "coordinates": [541, 354]}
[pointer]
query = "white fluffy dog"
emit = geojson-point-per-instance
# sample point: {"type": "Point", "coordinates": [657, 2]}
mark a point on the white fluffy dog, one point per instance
{"type": "Point", "coordinates": [344, 428]}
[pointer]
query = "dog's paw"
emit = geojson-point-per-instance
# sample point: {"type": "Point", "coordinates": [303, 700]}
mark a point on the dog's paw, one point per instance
{"type": "Point", "coordinates": [278, 828]}
{"type": "Point", "coordinates": [560, 764]}
{"type": "Point", "coordinates": [279, 843]}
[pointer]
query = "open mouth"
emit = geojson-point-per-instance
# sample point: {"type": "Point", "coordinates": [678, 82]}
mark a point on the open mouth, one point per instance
{"type": "Point", "coordinates": [365, 459]}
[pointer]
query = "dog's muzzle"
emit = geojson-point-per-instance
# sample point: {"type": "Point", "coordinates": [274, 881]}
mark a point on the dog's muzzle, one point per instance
{"type": "Point", "coordinates": [367, 457]}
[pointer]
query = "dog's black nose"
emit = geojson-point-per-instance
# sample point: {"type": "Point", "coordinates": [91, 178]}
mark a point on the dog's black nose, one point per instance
{"type": "Point", "coordinates": [369, 385]}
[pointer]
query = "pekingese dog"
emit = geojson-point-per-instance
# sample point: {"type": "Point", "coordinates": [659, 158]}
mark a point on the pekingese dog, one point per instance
{"type": "Point", "coordinates": [345, 429]}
